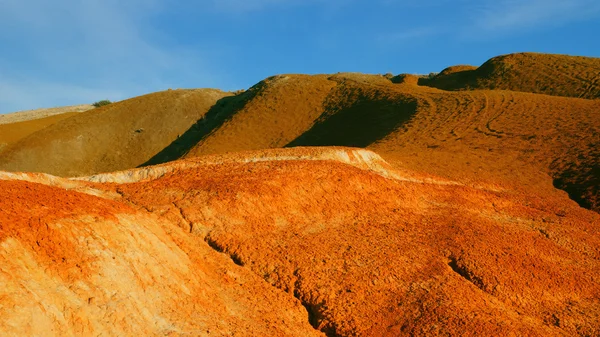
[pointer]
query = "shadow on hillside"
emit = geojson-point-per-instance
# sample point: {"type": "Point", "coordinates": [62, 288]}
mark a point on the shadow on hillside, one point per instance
{"type": "Point", "coordinates": [582, 185]}
{"type": "Point", "coordinates": [360, 123]}
{"type": "Point", "coordinates": [221, 112]}
{"type": "Point", "coordinates": [455, 81]}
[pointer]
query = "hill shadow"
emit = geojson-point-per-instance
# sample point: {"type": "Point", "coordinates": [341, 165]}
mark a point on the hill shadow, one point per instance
{"type": "Point", "coordinates": [215, 117]}
{"type": "Point", "coordinates": [360, 123]}
{"type": "Point", "coordinates": [582, 184]}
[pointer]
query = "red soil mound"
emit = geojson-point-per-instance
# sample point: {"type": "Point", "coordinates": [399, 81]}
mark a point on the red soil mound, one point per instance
{"type": "Point", "coordinates": [369, 250]}
{"type": "Point", "coordinates": [76, 264]}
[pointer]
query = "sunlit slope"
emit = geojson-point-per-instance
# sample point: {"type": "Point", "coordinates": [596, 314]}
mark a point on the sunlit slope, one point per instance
{"type": "Point", "coordinates": [28, 115]}
{"type": "Point", "coordinates": [13, 132]}
{"type": "Point", "coordinates": [468, 135]}
{"type": "Point", "coordinates": [79, 262]}
{"type": "Point", "coordinates": [560, 75]}
{"type": "Point", "coordinates": [374, 251]}
{"type": "Point", "coordinates": [117, 136]}
{"type": "Point", "coordinates": [509, 136]}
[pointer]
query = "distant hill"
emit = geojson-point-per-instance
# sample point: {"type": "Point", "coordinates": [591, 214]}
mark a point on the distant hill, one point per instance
{"type": "Point", "coordinates": [117, 136]}
{"type": "Point", "coordinates": [559, 75]}
{"type": "Point", "coordinates": [12, 132]}
{"type": "Point", "coordinates": [28, 115]}
{"type": "Point", "coordinates": [507, 136]}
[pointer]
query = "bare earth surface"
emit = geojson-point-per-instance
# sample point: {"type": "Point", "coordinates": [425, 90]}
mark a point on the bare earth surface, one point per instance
{"type": "Point", "coordinates": [465, 203]}
{"type": "Point", "coordinates": [28, 115]}
{"type": "Point", "coordinates": [272, 242]}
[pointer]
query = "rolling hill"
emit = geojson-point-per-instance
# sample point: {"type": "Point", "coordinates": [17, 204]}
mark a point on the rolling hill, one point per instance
{"type": "Point", "coordinates": [559, 75]}
{"type": "Point", "coordinates": [478, 134]}
{"type": "Point", "coordinates": [465, 203]}
{"type": "Point", "coordinates": [117, 136]}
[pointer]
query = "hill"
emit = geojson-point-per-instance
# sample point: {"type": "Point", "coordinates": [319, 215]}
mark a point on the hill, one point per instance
{"type": "Point", "coordinates": [240, 243]}
{"type": "Point", "coordinates": [29, 115]}
{"type": "Point", "coordinates": [465, 135]}
{"type": "Point", "coordinates": [481, 135]}
{"type": "Point", "coordinates": [12, 132]}
{"type": "Point", "coordinates": [559, 75]}
{"type": "Point", "coordinates": [117, 136]}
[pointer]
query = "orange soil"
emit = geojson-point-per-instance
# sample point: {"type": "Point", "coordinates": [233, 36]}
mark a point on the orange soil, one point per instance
{"type": "Point", "coordinates": [76, 264]}
{"type": "Point", "coordinates": [13, 132]}
{"type": "Point", "coordinates": [495, 135]}
{"type": "Point", "coordinates": [463, 231]}
{"type": "Point", "coordinates": [367, 250]}
{"type": "Point", "coordinates": [370, 250]}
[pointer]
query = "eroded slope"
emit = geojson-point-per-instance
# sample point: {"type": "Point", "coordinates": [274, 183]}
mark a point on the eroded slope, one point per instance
{"type": "Point", "coordinates": [370, 250]}
{"type": "Point", "coordinates": [75, 264]}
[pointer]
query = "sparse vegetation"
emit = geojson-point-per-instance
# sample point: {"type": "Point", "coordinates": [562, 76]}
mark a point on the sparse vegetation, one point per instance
{"type": "Point", "coordinates": [101, 103]}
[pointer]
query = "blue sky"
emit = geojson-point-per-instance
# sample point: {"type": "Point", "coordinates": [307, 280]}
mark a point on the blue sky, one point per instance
{"type": "Point", "coordinates": [65, 52]}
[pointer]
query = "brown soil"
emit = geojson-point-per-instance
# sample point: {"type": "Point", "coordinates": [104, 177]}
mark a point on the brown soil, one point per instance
{"type": "Point", "coordinates": [117, 136]}
{"type": "Point", "coordinates": [13, 132]}
{"type": "Point", "coordinates": [235, 244]}
{"type": "Point", "coordinates": [561, 75]}
{"type": "Point", "coordinates": [29, 115]}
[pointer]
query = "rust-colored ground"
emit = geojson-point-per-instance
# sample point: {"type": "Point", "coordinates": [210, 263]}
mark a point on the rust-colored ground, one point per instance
{"type": "Point", "coordinates": [273, 242]}
{"type": "Point", "coordinates": [468, 218]}
{"type": "Point", "coordinates": [78, 264]}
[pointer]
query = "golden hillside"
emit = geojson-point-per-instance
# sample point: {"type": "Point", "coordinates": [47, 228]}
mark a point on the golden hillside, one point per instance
{"type": "Point", "coordinates": [560, 75]}
{"type": "Point", "coordinates": [117, 136]}
{"type": "Point", "coordinates": [506, 136]}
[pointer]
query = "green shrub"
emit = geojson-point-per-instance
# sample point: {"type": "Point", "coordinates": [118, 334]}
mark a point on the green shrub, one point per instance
{"type": "Point", "coordinates": [102, 103]}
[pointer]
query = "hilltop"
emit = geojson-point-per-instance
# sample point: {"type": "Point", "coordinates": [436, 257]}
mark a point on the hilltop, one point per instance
{"type": "Point", "coordinates": [559, 75]}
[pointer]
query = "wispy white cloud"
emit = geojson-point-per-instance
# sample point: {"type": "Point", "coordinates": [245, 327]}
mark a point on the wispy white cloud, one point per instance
{"type": "Point", "coordinates": [510, 16]}
{"type": "Point", "coordinates": [108, 47]}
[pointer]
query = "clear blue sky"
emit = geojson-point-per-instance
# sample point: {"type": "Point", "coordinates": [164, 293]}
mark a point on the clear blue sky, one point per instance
{"type": "Point", "coordinates": [65, 52]}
